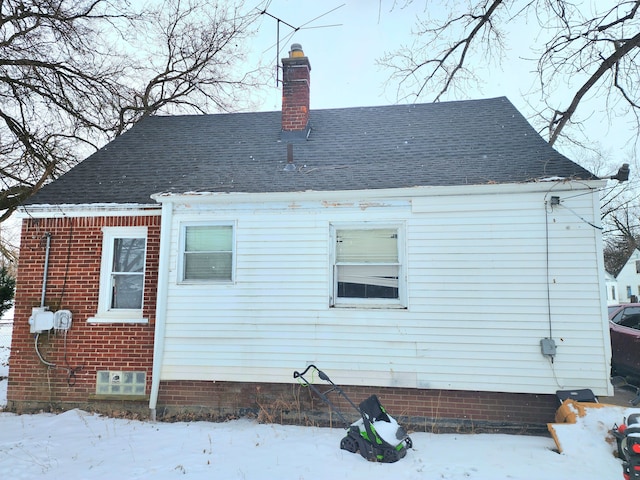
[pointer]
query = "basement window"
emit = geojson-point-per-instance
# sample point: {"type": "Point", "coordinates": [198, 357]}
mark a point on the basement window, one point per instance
{"type": "Point", "coordinates": [109, 382]}
{"type": "Point", "coordinates": [367, 266]}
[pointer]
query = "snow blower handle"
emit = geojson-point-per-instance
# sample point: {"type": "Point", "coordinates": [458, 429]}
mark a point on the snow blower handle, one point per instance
{"type": "Point", "coordinates": [321, 374]}
{"type": "Point", "coordinates": [297, 374]}
{"type": "Point", "coordinates": [323, 395]}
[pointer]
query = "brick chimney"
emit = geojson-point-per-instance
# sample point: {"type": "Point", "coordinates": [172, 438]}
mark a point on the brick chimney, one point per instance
{"type": "Point", "coordinates": [295, 93]}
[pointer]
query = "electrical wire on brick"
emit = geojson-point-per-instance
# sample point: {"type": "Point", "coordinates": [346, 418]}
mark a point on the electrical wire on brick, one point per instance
{"type": "Point", "coordinates": [47, 363]}
{"type": "Point", "coordinates": [71, 371]}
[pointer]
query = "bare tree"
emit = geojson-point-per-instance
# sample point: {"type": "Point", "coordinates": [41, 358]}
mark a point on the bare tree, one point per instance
{"type": "Point", "coordinates": [621, 233]}
{"type": "Point", "coordinates": [595, 52]}
{"type": "Point", "coordinates": [619, 211]}
{"type": "Point", "coordinates": [76, 73]}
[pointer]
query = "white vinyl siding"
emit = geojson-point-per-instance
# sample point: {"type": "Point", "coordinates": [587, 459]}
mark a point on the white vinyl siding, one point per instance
{"type": "Point", "coordinates": [478, 295]}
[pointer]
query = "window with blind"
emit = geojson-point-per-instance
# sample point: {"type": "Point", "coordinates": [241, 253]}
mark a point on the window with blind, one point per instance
{"type": "Point", "coordinates": [367, 267]}
{"type": "Point", "coordinates": [207, 253]}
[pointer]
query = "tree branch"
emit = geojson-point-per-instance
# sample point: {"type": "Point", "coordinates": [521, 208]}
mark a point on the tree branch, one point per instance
{"type": "Point", "coordinates": [77, 73]}
{"type": "Point", "coordinates": [560, 119]}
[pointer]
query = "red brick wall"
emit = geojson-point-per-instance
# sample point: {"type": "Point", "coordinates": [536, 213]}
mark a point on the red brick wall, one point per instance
{"type": "Point", "coordinates": [427, 410]}
{"type": "Point", "coordinates": [73, 284]}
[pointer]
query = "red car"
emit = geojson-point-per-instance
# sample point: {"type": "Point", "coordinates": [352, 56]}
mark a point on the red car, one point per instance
{"type": "Point", "coordinates": [624, 325]}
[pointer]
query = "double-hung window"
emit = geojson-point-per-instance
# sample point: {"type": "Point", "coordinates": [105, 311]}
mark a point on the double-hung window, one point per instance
{"type": "Point", "coordinates": [207, 253]}
{"type": "Point", "coordinates": [367, 267]}
{"type": "Point", "coordinates": [122, 275]}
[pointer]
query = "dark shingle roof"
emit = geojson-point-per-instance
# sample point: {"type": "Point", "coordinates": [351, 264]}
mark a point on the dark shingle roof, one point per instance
{"type": "Point", "coordinates": [452, 143]}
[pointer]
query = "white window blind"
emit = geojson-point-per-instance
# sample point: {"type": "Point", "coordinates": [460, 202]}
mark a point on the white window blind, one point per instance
{"type": "Point", "coordinates": [208, 252]}
{"type": "Point", "coordinates": [380, 275]}
{"type": "Point", "coordinates": [368, 246]}
{"type": "Point", "coordinates": [367, 264]}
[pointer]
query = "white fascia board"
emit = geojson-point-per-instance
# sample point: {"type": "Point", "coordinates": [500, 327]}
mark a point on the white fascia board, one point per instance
{"type": "Point", "coordinates": [88, 210]}
{"type": "Point", "coordinates": [548, 185]}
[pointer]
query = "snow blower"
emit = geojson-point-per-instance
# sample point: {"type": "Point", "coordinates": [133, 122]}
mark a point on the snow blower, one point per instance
{"type": "Point", "coordinates": [376, 435]}
{"type": "Point", "coordinates": [627, 438]}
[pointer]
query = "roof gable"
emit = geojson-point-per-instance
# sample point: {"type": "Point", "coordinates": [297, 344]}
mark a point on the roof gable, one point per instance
{"type": "Point", "coordinates": [436, 144]}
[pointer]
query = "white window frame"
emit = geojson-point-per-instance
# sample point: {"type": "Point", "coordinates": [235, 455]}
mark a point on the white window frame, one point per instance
{"type": "Point", "coordinates": [181, 253]}
{"type": "Point", "coordinates": [105, 313]}
{"type": "Point", "coordinates": [401, 301]}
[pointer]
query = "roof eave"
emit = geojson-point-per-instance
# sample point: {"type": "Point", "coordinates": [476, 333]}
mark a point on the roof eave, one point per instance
{"type": "Point", "coordinates": [87, 210]}
{"type": "Point", "coordinates": [543, 185]}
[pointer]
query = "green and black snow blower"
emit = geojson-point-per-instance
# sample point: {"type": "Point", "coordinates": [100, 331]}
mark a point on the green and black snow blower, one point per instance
{"type": "Point", "coordinates": [376, 435]}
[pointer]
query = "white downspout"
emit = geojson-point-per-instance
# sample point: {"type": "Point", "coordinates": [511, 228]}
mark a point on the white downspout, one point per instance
{"type": "Point", "coordinates": [161, 304]}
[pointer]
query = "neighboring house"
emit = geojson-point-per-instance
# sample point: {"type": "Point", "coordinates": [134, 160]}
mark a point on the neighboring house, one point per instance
{"type": "Point", "coordinates": [442, 255]}
{"type": "Point", "coordinates": [628, 279]}
{"type": "Point", "coordinates": [611, 286]}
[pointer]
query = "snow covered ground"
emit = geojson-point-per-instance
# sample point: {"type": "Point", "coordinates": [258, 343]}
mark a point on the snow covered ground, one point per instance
{"type": "Point", "coordinates": [78, 445]}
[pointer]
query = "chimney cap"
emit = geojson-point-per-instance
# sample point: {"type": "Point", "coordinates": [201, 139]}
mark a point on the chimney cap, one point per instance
{"type": "Point", "coordinates": [296, 50]}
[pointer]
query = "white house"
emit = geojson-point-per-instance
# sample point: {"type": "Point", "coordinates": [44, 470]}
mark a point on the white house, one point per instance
{"type": "Point", "coordinates": [442, 255]}
{"type": "Point", "coordinates": [628, 280]}
{"type": "Point", "coordinates": [611, 286]}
